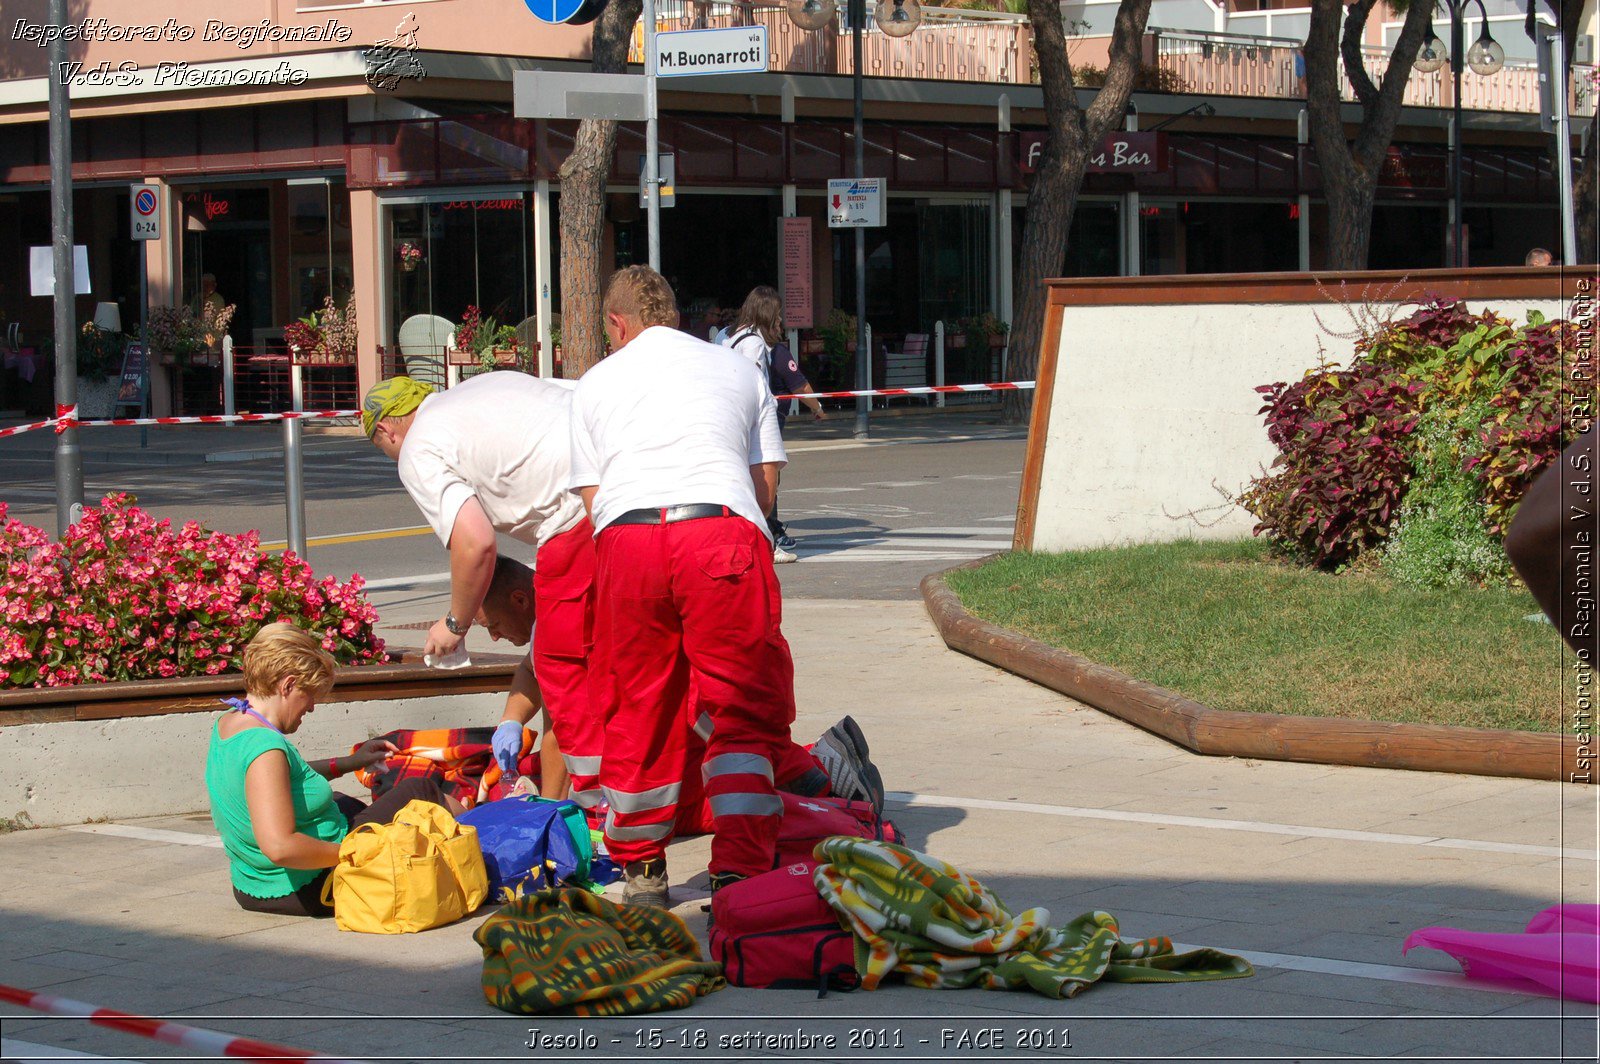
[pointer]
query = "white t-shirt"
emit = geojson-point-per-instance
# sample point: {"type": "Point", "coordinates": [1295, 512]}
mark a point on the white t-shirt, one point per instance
{"type": "Point", "coordinates": [503, 438]}
{"type": "Point", "coordinates": [670, 420]}
{"type": "Point", "coordinates": [749, 343]}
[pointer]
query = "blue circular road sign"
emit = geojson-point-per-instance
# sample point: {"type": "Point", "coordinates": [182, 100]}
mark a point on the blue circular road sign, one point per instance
{"type": "Point", "coordinates": [566, 12]}
{"type": "Point", "coordinates": [145, 202]}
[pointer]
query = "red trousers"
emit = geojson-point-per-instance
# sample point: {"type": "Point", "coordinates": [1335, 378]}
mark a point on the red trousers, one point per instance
{"type": "Point", "coordinates": [563, 640]}
{"type": "Point", "coordinates": [693, 605]}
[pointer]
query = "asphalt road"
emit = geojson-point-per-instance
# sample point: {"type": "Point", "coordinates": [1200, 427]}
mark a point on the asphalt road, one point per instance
{"type": "Point", "coordinates": [872, 517]}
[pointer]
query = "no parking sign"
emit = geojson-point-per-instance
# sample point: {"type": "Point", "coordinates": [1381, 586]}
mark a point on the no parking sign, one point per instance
{"type": "Point", "coordinates": [144, 212]}
{"type": "Point", "coordinates": [566, 12]}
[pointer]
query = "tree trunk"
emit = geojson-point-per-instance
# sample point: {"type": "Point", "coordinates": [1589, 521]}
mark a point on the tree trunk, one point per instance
{"type": "Point", "coordinates": [1053, 195]}
{"type": "Point", "coordinates": [1350, 170]}
{"type": "Point", "coordinates": [583, 203]}
{"type": "Point", "coordinates": [1586, 199]}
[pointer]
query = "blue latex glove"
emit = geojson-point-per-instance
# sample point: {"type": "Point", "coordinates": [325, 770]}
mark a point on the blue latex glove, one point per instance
{"type": "Point", "coordinates": [507, 745]}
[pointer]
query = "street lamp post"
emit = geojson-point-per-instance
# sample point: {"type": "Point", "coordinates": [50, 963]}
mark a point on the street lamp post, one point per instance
{"type": "Point", "coordinates": [897, 18]}
{"type": "Point", "coordinates": [1485, 57]}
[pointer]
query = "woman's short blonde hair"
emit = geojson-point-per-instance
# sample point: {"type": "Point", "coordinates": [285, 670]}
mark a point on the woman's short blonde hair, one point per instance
{"type": "Point", "coordinates": [281, 650]}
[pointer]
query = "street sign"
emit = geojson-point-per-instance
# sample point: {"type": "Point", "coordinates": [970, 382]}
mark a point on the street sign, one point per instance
{"type": "Point", "coordinates": [144, 212]}
{"type": "Point", "coordinates": [667, 169]}
{"type": "Point", "coordinates": [855, 204]}
{"type": "Point", "coordinates": [566, 12]}
{"type": "Point", "coordinates": [561, 94]}
{"type": "Point", "coordinates": [734, 50]}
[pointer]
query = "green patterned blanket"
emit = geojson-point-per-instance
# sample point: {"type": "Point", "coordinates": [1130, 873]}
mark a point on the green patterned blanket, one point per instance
{"type": "Point", "coordinates": [571, 952]}
{"type": "Point", "coordinates": [938, 927]}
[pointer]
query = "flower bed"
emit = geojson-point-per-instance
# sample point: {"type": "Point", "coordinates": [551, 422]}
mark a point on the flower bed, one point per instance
{"type": "Point", "coordinates": [1415, 455]}
{"type": "Point", "coordinates": [126, 597]}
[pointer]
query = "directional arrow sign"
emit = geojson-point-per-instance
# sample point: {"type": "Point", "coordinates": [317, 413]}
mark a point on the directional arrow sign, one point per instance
{"type": "Point", "coordinates": [855, 204]}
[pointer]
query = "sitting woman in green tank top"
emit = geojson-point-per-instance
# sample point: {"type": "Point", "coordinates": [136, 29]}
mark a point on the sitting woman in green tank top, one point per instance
{"type": "Point", "coordinates": [280, 821]}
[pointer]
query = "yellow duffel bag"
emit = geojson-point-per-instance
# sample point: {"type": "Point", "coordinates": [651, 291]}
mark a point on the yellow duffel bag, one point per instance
{"type": "Point", "coordinates": [420, 870]}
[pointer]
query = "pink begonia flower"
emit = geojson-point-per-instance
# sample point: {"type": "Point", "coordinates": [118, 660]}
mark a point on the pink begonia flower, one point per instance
{"type": "Point", "coordinates": [120, 587]}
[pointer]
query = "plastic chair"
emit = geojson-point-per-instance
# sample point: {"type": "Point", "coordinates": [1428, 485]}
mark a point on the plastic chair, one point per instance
{"type": "Point", "coordinates": [424, 341]}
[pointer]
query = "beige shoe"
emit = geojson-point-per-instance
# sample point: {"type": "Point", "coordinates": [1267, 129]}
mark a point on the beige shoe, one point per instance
{"type": "Point", "coordinates": [646, 884]}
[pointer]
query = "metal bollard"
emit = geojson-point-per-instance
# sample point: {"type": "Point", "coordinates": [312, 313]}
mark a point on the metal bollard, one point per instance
{"type": "Point", "coordinates": [294, 486]}
{"type": "Point", "coordinates": [938, 361]}
{"type": "Point", "coordinates": [228, 401]}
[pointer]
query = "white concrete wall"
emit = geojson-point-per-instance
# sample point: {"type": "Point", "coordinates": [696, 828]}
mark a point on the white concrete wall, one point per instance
{"type": "Point", "coordinates": [71, 772]}
{"type": "Point", "coordinates": [1153, 405]}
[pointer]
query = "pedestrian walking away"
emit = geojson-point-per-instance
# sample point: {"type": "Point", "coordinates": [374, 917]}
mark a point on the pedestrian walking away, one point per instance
{"type": "Point", "coordinates": [493, 455]}
{"type": "Point", "coordinates": [758, 335]}
{"type": "Point", "coordinates": [676, 453]}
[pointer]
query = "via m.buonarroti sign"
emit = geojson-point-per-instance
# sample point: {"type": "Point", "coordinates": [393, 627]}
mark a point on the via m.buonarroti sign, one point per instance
{"type": "Point", "coordinates": [1120, 153]}
{"type": "Point", "coordinates": [735, 50]}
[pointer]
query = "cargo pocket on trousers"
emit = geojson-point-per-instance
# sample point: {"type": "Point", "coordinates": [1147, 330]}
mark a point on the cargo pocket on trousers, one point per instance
{"type": "Point", "coordinates": [728, 561]}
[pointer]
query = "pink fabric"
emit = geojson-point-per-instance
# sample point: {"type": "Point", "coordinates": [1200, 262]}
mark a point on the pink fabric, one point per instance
{"type": "Point", "coordinates": [1558, 953]}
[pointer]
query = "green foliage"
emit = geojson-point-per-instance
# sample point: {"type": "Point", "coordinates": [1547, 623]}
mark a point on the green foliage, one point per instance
{"type": "Point", "coordinates": [839, 334]}
{"type": "Point", "coordinates": [1440, 538]}
{"type": "Point", "coordinates": [1352, 471]}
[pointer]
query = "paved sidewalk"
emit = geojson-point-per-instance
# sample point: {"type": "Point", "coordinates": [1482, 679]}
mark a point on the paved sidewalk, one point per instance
{"type": "Point", "coordinates": [1316, 873]}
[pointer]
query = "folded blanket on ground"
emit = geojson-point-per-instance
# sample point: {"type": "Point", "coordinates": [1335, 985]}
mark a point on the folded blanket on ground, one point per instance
{"type": "Point", "coordinates": [461, 759]}
{"type": "Point", "coordinates": [571, 952]}
{"type": "Point", "coordinates": [938, 927]}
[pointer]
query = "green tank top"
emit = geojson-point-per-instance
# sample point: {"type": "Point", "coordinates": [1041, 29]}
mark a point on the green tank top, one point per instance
{"type": "Point", "coordinates": [315, 812]}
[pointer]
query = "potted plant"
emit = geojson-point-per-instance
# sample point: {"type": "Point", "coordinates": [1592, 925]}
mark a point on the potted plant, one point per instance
{"type": "Point", "coordinates": [182, 337]}
{"type": "Point", "coordinates": [327, 335]}
{"type": "Point", "coordinates": [409, 255]}
{"type": "Point", "coordinates": [839, 335]}
{"type": "Point", "coordinates": [490, 343]}
{"type": "Point", "coordinates": [984, 330]}
{"type": "Point", "coordinates": [99, 370]}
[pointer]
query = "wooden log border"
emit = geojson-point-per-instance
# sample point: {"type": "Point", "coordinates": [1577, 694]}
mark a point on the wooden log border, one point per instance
{"type": "Point", "coordinates": [1267, 736]}
{"type": "Point", "coordinates": [148, 698]}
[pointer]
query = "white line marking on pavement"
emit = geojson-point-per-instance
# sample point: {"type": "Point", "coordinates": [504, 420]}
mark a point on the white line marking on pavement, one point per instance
{"type": "Point", "coordinates": [18, 1052]}
{"type": "Point", "coordinates": [144, 834]}
{"type": "Point", "coordinates": [870, 555]}
{"type": "Point", "coordinates": [389, 583]}
{"type": "Point", "coordinates": [1389, 973]}
{"type": "Point", "coordinates": [1303, 831]}
{"type": "Point", "coordinates": [1288, 961]}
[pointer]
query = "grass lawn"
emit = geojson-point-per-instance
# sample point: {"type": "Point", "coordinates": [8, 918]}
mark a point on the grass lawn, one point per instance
{"type": "Point", "coordinates": [1232, 627]}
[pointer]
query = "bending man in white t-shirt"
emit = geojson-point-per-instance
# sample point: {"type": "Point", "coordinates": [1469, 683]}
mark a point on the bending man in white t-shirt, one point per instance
{"type": "Point", "coordinates": [492, 455]}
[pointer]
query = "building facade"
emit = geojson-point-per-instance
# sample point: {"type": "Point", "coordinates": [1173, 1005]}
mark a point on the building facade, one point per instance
{"type": "Point", "coordinates": [369, 153]}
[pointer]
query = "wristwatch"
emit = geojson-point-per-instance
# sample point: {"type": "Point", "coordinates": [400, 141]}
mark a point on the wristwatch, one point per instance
{"type": "Point", "coordinates": [454, 626]}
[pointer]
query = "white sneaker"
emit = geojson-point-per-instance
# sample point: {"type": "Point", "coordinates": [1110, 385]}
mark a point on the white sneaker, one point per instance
{"type": "Point", "coordinates": [781, 556]}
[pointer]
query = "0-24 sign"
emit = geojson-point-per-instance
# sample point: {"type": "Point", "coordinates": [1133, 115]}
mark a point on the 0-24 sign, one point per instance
{"type": "Point", "coordinates": [144, 212]}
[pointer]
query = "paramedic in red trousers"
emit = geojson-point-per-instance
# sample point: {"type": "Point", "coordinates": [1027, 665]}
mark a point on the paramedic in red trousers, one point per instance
{"type": "Point", "coordinates": [492, 455]}
{"type": "Point", "coordinates": [675, 451]}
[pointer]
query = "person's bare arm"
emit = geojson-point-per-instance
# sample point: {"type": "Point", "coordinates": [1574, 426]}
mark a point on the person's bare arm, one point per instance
{"type": "Point", "coordinates": [808, 396]}
{"type": "Point", "coordinates": [472, 554]}
{"type": "Point", "coordinates": [765, 479]}
{"type": "Point", "coordinates": [266, 794]}
{"type": "Point", "coordinates": [587, 495]}
{"type": "Point", "coordinates": [553, 780]}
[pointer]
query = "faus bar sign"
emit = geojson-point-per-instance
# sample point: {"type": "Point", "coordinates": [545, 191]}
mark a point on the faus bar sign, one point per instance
{"type": "Point", "coordinates": [735, 50]}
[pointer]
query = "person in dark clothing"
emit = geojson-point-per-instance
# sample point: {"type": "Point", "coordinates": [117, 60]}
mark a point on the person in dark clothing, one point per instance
{"type": "Point", "coordinates": [758, 335]}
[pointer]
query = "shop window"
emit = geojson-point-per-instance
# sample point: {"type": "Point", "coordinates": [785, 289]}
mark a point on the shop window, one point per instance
{"type": "Point", "coordinates": [1192, 236]}
{"type": "Point", "coordinates": [447, 255]}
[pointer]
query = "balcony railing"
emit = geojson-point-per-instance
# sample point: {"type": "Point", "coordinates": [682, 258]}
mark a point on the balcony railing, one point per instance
{"type": "Point", "coordinates": [958, 45]}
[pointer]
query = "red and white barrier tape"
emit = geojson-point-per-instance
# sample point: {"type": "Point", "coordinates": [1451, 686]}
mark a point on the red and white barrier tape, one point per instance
{"type": "Point", "coordinates": [936, 389]}
{"type": "Point", "coordinates": [208, 1043]}
{"type": "Point", "coordinates": [70, 420]}
{"type": "Point", "coordinates": [67, 417]}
